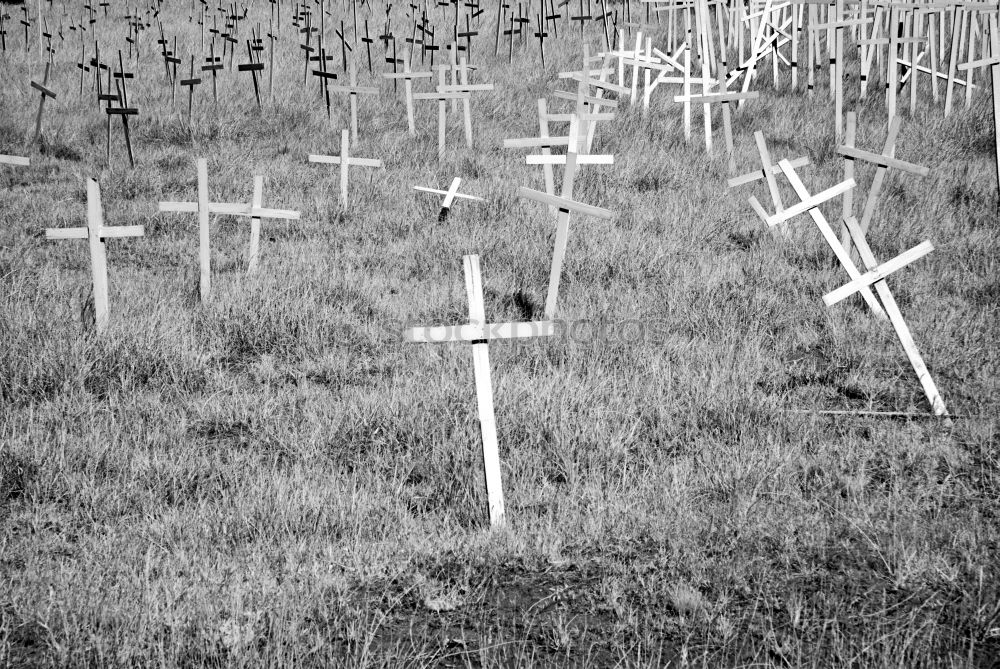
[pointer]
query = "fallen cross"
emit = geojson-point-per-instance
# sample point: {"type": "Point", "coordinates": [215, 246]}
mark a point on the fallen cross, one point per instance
{"type": "Point", "coordinates": [96, 233]}
{"type": "Point", "coordinates": [345, 160]}
{"type": "Point", "coordinates": [449, 196]}
{"type": "Point", "coordinates": [479, 332]}
{"type": "Point", "coordinates": [810, 203]}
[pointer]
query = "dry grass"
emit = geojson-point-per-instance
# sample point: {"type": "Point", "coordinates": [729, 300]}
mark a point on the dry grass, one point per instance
{"type": "Point", "coordinates": [274, 478]}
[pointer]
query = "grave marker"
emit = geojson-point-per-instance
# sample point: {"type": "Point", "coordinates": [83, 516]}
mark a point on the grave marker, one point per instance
{"type": "Point", "coordinates": [353, 90]}
{"type": "Point", "coordinates": [45, 93]}
{"type": "Point", "coordinates": [564, 204]}
{"type": "Point", "coordinates": [449, 196]}
{"type": "Point", "coordinates": [876, 275]}
{"type": "Point", "coordinates": [203, 208]}
{"type": "Point", "coordinates": [95, 233]}
{"type": "Point", "coordinates": [408, 76]}
{"type": "Point", "coordinates": [478, 332]}
{"type": "Point", "coordinates": [345, 160]}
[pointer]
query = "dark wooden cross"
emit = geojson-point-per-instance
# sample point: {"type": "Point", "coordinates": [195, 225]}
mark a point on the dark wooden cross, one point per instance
{"type": "Point", "coordinates": [45, 93]}
{"type": "Point", "coordinates": [253, 68]}
{"type": "Point", "coordinates": [353, 89]}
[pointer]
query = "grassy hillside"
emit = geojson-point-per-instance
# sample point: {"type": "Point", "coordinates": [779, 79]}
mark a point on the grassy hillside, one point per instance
{"type": "Point", "coordinates": [274, 477]}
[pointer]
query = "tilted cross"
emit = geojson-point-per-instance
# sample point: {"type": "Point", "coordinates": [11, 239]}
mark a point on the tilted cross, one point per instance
{"type": "Point", "coordinates": [449, 196]}
{"type": "Point", "coordinates": [407, 75]}
{"type": "Point", "coordinates": [203, 208]}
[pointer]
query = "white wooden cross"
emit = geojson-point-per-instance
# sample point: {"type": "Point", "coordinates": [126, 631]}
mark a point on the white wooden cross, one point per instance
{"type": "Point", "coordinates": [442, 96]}
{"type": "Point", "coordinates": [883, 162]}
{"type": "Point", "coordinates": [768, 171]}
{"type": "Point", "coordinates": [449, 196]}
{"type": "Point", "coordinates": [345, 160]}
{"type": "Point", "coordinates": [465, 87]}
{"type": "Point", "coordinates": [203, 208]}
{"type": "Point", "coordinates": [408, 76]}
{"type": "Point", "coordinates": [479, 332]}
{"type": "Point", "coordinates": [354, 90]}
{"type": "Point", "coordinates": [95, 233]}
{"type": "Point", "coordinates": [876, 276]}
{"type": "Point", "coordinates": [565, 204]}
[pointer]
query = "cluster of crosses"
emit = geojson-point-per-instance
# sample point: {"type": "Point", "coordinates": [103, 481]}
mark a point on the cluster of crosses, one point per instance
{"type": "Point", "coordinates": [696, 61]}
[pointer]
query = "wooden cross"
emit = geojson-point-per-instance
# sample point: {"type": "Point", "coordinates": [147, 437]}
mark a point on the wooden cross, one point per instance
{"type": "Point", "coordinates": [253, 68]}
{"type": "Point", "coordinates": [45, 93]}
{"type": "Point", "coordinates": [345, 160]}
{"type": "Point", "coordinates": [883, 162]}
{"type": "Point", "coordinates": [203, 208]}
{"type": "Point", "coordinates": [442, 97]}
{"type": "Point", "coordinates": [449, 196]}
{"type": "Point", "coordinates": [465, 87]}
{"type": "Point", "coordinates": [876, 276]}
{"type": "Point", "coordinates": [213, 64]}
{"type": "Point", "coordinates": [123, 110]}
{"type": "Point", "coordinates": [564, 204]}
{"type": "Point", "coordinates": [18, 161]}
{"type": "Point", "coordinates": [256, 213]}
{"type": "Point", "coordinates": [809, 203]}
{"type": "Point", "coordinates": [478, 332]}
{"type": "Point", "coordinates": [407, 75]}
{"type": "Point", "coordinates": [96, 233]}
{"type": "Point", "coordinates": [353, 90]}
{"type": "Point", "coordinates": [191, 83]}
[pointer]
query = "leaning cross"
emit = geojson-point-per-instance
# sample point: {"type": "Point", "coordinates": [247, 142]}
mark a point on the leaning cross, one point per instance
{"type": "Point", "coordinates": [876, 275]}
{"type": "Point", "coordinates": [96, 233]}
{"type": "Point", "coordinates": [479, 332]}
{"type": "Point", "coordinates": [345, 160]}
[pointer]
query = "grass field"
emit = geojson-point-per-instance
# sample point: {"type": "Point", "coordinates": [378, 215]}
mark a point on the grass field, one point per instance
{"type": "Point", "coordinates": [274, 478]}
